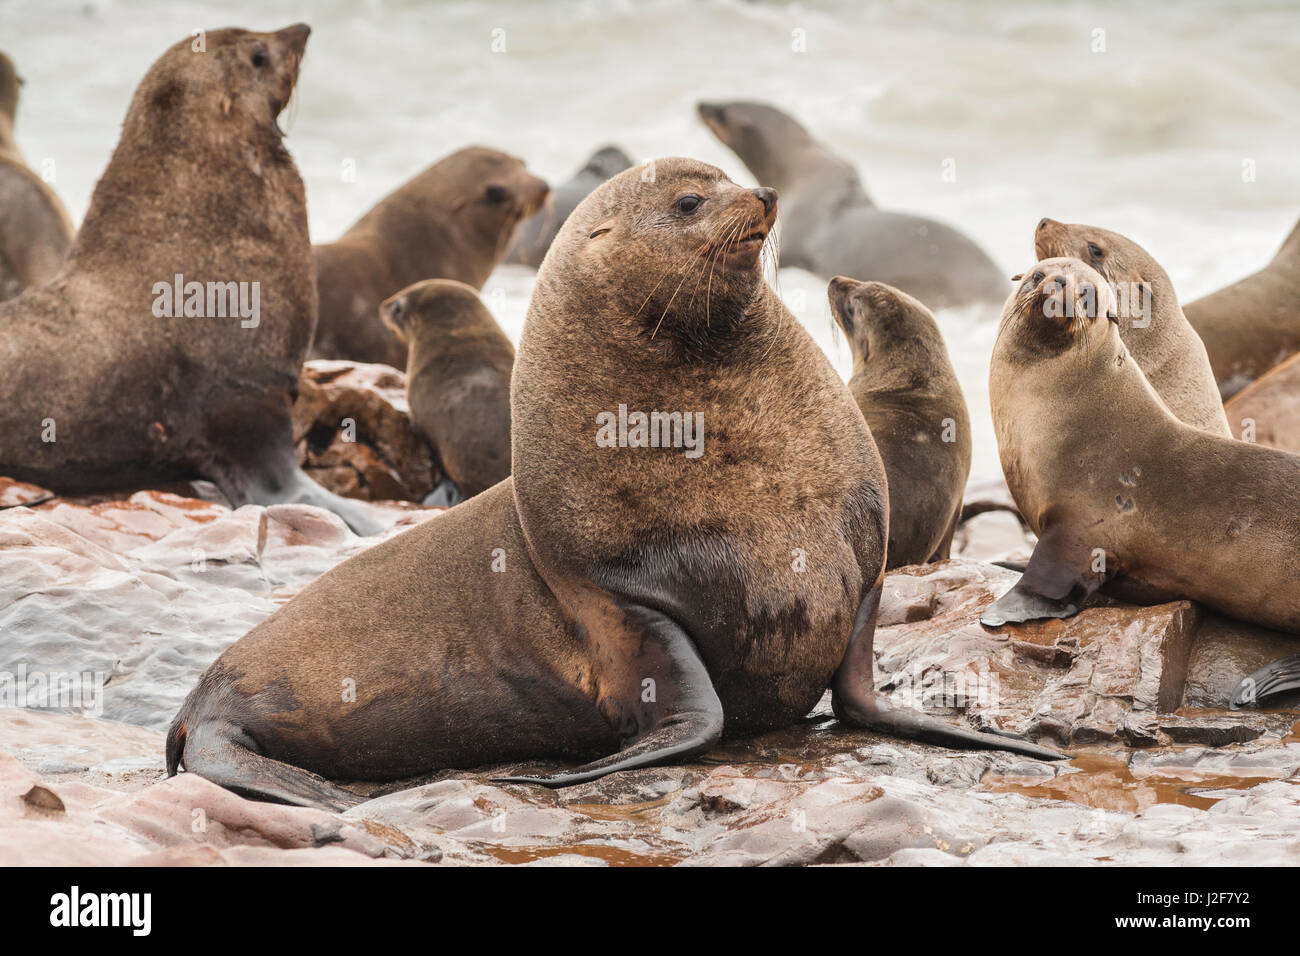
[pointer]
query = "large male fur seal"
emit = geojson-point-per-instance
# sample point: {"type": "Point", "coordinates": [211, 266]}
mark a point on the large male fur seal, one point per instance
{"type": "Point", "coordinates": [692, 541]}
{"type": "Point", "coordinates": [452, 221]}
{"type": "Point", "coordinates": [457, 381]}
{"type": "Point", "coordinates": [169, 344]}
{"type": "Point", "coordinates": [535, 234]}
{"type": "Point", "coordinates": [830, 226]}
{"type": "Point", "coordinates": [35, 229]}
{"type": "Point", "coordinates": [1252, 325]}
{"type": "Point", "coordinates": [1122, 493]}
{"type": "Point", "coordinates": [1152, 326]}
{"type": "Point", "coordinates": [908, 392]}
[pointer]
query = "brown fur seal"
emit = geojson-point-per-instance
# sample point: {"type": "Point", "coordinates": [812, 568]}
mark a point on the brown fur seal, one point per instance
{"type": "Point", "coordinates": [1252, 325]}
{"type": "Point", "coordinates": [535, 234]}
{"type": "Point", "coordinates": [169, 344]}
{"type": "Point", "coordinates": [908, 392]}
{"type": "Point", "coordinates": [831, 227]}
{"type": "Point", "coordinates": [452, 221]}
{"type": "Point", "coordinates": [1122, 493]}
{"type": "Point", "coordinates": [457, 381]}
{"type": "Point", "coordinates": [615, 593]}
{"type": "Point", "coordinates": [10, 82]}
{"type": "Point", "coordinates": [1152, 325]}
{"type": "Point", "coordinates": [1267, 410]}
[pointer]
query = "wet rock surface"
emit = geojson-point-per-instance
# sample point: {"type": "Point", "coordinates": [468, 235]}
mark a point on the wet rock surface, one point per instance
{"type": "Point", "coordinates": [352, 430]}
{"type": "Point", "coordinates": [1159, 772]}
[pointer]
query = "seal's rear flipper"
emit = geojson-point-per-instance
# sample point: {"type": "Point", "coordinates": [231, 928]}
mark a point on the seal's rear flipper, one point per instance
{"type": "Point", "coordinates": [1269, 681]}
{"type": "Point", "coordinates": [856, 703]}
{"type": "Point", "coordinates": [683, 718]}
{"type": "Point", "coordinates": [1052, 586]}
{"type": "Point", "coordinates": [219, 751]}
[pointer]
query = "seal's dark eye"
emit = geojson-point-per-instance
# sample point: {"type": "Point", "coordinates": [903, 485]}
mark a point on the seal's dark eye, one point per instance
{"type": "Point", "coordinates": [1094, 250]}
{"type": "Point", "coordinates": [260, 59]}
{"type": "Point", "coordinates": [688, 204]}
{"type": "Point", "coordinates": [1037, 277]}
{"type": "Point", "coordinates": [496, 194]}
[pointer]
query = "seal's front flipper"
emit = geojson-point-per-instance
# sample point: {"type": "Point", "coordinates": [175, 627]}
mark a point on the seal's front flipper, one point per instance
{"type": "Point", "coordinates": [1276, 678]}
{"type": "Point", "coordinates": [1056, 582]}
{"type": "Point", "coordinates": [219, 751]}
{"type": "Point", "coordinates": [856, 703]}
{"type": "Point", "coordinates": [668, 703]}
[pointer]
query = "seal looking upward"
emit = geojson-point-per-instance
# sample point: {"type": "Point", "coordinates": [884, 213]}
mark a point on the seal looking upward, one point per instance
{"type": "Point", "coordinates": [452, 221]}
{"type": "Point", "coordinates": [1252, 325]}
{"type": "Point", "coordinates": [609, 593]}
{"type": "Point", "coordinates": [110, 379]}
{"type": "Point", "coordinates": [1152, 324]}
{"type": "Point", "coordinates": [535, 235]}
{"type": "Point", "coordinates": [830, 226]}
{"type": "Point", "coordinates": [1122, 493]}
{"type": "Point", "coordinates": [457, 381]}
{"type": "Point", "coordinates": [908, 392]}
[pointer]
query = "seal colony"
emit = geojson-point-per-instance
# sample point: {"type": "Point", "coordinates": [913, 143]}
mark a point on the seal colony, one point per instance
{"type": "Point", "coordinates": [645, 603]}
{"type": "Point", "coordinates": [102, 393]}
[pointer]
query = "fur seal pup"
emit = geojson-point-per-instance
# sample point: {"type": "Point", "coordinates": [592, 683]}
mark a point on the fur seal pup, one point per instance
{"type": "Point", "coordinates": [1122, 493]}
{"type": "Point", "coordinates": [169, 344]}
{"type": "Point", "coordinates": [830, 226]}
{"type": "Point", "coordinates": [616, 598]}
{"type": "Point", "coordinates": [1252, 325]}
{"type": "Point", "coordinates": [1152, 325]}
{"type": "Point", "coordinates": [908, 392]}
{"type": "Point", "coordinates": [452, 221]}
{"type": "Point", "coordinates": [535, 234]}
{"type": "Point", "coordinates": [457, 381]}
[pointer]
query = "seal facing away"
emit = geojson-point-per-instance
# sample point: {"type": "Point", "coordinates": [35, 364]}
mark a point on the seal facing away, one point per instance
{"type": "Point", "coordinates": [452, 221]}
{"type": "Point", "coordinates": [169, 344]}
{"type": "Point", "coordinates": [1122, 493]}
{"type": "Point", "coordinates": [1252, 325]}
{"type": "Point", "coordinates": [457, 382]}
{"type": "Point", "coordinates": [35, 229]}
{"type": "Point", "coordinates": [1152, 325]}
{"type": "Point", "coordinates": [831, 227]}
{"type": "Point", "coordinates": [535, 235]}
{"type": "Point", "coordinates": [908, 392]}
{"type": "Point", "coordinates": [648, 577]}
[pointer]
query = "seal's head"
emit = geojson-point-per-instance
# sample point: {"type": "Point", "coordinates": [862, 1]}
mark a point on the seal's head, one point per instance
{"type": "Point", "coordinates": [606, 162]}
{"type": "Point", "coordinates": [487, 191]}
{"type": "Point", "coordinates": [434, 304]}
{"type": "Point", "coordinates": [766, 140]}
{"type": "Point", "coordinates": [1120, 260]}
{"type": "Point", "coordinates": [878, 319]}
{"type": "Point", "coordinates": [10, 81]}
{"type": "Point", "coordinates": [670, 250]}
{"type": "Point", "coordinates": [211, 83]}
{"type": "Point", "coordinates": [1059, 304]}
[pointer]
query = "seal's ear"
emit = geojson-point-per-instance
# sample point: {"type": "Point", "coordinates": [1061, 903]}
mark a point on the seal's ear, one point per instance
{"type": "Point", "coordinates": [1017, 277]}
{"type": "Point", "coordinates": [396, 314]}
{"type": "Point", "coordinates": [600, 230]}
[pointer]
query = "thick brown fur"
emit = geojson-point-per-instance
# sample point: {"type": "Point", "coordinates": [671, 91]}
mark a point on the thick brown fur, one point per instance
{"type": "Point", "coordinates": [1268, 409]}
{"type": "Point", "coordinates": [457, 379]}
{"type": "Point", "coordinates": [1253, 324]}
{"type": "Point", "coordinates": [1100, 466]}
{"type": "Point", "coordinates": [905, 385]}
{"type": "Point", "coordinates": [1168, 350]}
{"type": "Point", "coordinates": [200, 184]}
{"type": "Point", "coordinates": [452, 221]}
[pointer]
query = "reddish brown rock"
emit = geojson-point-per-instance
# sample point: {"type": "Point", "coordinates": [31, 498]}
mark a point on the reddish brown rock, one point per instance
{"type": "Point", "coordinates": [352, 429]}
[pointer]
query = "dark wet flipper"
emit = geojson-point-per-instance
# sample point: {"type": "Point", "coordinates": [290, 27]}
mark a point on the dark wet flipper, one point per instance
{"type": "Point", "coordinates": [684, 719]}
{"type": "Point", "coordinates": [856, 703]}
{"type": "Point", "coordinates": [221, 753]}
{"type": "Point", "coordinates": [1279, 677]}
{"type": "Point", "coordinates": [1018, 566]}
{"type": "Point", "coordinates": [1056, 582]}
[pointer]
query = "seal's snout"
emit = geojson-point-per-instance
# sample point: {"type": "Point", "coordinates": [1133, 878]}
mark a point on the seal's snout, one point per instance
{"type": "Point", "coordinates": [709, 112]}
{"type": "Point", "coordinates": [1046, 238]}
{"type": "Point", "coordinates": [767, 196]}
{"type": "Point", "coordinates": [294, 37]}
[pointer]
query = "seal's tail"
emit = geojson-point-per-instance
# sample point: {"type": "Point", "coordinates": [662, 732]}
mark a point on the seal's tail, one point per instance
{"type": "Point", "coordinates": [1270, 680]}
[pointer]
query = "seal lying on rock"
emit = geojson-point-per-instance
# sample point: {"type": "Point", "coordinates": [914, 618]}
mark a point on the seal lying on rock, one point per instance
{"type": "Point", "coordinates": [908, 392]}
{"type": "Point", "coordinates": [535, 235]}
{"type": "Point", "coordinates": [692, 541]}
{"type": "Point", "coordinates": [452, 221]}
{"type": "Point", "coordinates": [169, 344]}
{"type": "Point", "coordinates": [1122, 493]}
{"type": "Point", "coordinates": [831, 227]}
{"type": "Point", "coordinates": [457, 382]}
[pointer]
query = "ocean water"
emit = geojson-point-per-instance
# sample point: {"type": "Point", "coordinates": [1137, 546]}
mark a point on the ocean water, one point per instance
{"type": "Point", "coordinates": [1172, 122]}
